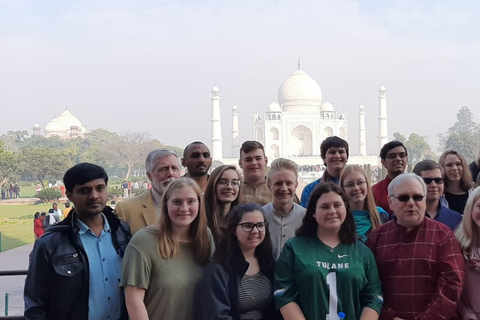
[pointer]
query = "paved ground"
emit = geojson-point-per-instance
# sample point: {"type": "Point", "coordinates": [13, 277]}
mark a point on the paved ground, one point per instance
{"type": "Point", "coordinates": [14, 259]}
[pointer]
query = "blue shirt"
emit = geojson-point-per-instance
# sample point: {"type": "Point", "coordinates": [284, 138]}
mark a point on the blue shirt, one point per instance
{"type": "Point", "coordinates": [448, 217]}
{"type": "Point", "coordinates": [309, 188]}
{"type": "Point", "coordinates": [105, 300]}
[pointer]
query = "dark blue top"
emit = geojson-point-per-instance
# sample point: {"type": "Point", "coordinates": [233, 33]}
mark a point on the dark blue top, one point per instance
{"type": "Point", "coordinates": [448, 217]}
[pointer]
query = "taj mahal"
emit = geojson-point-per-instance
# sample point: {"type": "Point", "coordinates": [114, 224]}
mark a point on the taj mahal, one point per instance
{"type": "Point", "coordinates": [296, 125]}
{"type": "Point", "coordinates": [65, 126]}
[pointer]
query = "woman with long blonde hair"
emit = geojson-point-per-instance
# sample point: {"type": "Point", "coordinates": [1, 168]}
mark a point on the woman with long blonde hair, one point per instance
{"type": "Point", "coordinates": [367, 215]}
{"type": "Point", "coordinates": [163, 263]}
{"type": "Point", "coordinates": [468, 235]}
{"type": "Point", "coordinates": [458, 180]}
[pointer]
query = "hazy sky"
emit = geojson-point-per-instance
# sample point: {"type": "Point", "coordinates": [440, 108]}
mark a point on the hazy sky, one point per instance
{"type": "Point", "coordinates": [150, 65]}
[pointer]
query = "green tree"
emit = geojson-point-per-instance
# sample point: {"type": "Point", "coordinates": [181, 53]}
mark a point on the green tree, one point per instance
{"type": "Point", "coordinates": [45, 164]}
{"type": "Point", "coordinates": [399, 137]}
{"type": "Point", "coordinates": [463, 136]}
{"type": "Point", "coordinates": [417, 147]}
{"type": "Point", "coordinates": [9, 168]}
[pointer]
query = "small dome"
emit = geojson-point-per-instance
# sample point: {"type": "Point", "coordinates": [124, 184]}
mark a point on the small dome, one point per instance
{"type": "Point", "coordinates": [36, 126]}
{"type": "Point", "coordinates": [299, 89]}
{"type": "Point", "coordinates": [69, 120]}
{"type": "Point", "coordinates": [215, 89]}
{"type": "Point", "coordinates": [361, 106]}
{"type": "Point", "coordinates": [274, 107]}
{"type": "Point", "coordinates": [327, 106]}
{"type": "Point", "coordinates": [382, 88]}
{"type": "Point", "coordinates": [55, 126]}
{"type": "Point", "coordinates": [234, 107]}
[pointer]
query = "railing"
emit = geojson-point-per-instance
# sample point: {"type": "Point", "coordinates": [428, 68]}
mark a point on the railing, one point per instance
{"type": "Point", "coordinates": [11, 273]}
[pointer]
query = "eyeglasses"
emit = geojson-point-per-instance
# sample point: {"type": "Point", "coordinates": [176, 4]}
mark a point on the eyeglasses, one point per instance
{"type": "Point", "coordinates": [429, 180]}
{"type": "Point", "coordinates": [352, 185]}
{"type": "Point", "coordinates": [405, 198]}
{"type": "Point", "coordinates": [248, 226]}
{"type": "Point", "coordinates": [233, 183]}
{"type": "Point", "coordinates": [392, 156]}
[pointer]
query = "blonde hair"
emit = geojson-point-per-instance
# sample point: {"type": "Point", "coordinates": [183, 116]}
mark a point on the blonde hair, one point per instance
{"type": "Point", "coordinates": [467, 232]}
{"type": "Point", "coordinates": [168, 246]}
{"type": "Point", "coordinates": [369, 202]}
{"type": "Point", "coordinates": [283, 164]}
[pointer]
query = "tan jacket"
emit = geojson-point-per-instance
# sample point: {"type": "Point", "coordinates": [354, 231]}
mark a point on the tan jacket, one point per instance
{"type": "Point", "coordinates": [138, 212]}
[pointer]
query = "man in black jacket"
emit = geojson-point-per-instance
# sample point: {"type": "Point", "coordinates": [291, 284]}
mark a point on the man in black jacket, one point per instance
{"type": "Point", "coordinates": [75, 267]}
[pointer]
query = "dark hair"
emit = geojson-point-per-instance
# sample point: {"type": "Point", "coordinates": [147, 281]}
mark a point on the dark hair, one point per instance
{"type": "Point", "coordinates": [389, 146]}
{"type": "Point", "coordinates": [332, 142]}
{"type": "Point", "coordinates": [191, 144]}
{"type": "Point", "coordinates": [427, 165]}
{"type": "Point", "coordinates": [50, 210]}
{"type": "Point", "coordinates": [43, 214]}
{"type": "Point", "coordinates": [37, 215]}
{"type": "Point", "coordinates": [67, 204]}
{"type": "Point", "coordinates": [83, 173]}
{"type": "Point", "coordinates": [228, 248]}
{"type": "Point", "coordinates": [249, 145]}
{"type": "Point", "coordinates": [309, 224]}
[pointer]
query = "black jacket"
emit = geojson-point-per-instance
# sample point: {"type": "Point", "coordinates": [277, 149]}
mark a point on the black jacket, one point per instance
{"type": "Point", "coordinates": [217, 293]}
{"type": "Point", "coordinates": [57, 283]}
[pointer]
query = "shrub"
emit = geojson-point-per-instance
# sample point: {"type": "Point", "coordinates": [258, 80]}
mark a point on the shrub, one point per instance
{"type": "Point", "coordinates": [49, 194]}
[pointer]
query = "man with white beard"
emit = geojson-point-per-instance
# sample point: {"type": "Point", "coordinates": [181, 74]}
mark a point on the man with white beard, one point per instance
{"type": "Point", "coordinates": [162, 166]}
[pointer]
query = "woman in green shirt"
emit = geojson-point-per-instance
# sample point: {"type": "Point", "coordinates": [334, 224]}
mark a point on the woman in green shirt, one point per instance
{"type": "Point", "coordinates": [324, 270]}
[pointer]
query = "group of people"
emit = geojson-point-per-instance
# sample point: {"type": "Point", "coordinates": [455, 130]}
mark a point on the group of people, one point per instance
{"type": "Point", "coordinates": [11, 191]}
{"type": "Point", "coordinates": [42, 221]}
{"type": "Point", "coordinates": [231, 245]}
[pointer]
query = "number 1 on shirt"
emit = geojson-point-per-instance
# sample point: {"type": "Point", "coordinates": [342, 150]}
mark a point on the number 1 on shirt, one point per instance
{"type": "Point", "coordinates": [333, 299]}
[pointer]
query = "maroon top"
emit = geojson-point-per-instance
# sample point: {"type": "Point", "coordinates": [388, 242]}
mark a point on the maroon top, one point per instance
{"type": "Point", "coordinates": [380, 193]}
{"type": "Point", "coordinates": [422, 271]}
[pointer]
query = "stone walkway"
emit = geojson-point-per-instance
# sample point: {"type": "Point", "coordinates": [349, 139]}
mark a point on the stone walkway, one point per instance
{"type": "Point", "coordinates": [14, 259]}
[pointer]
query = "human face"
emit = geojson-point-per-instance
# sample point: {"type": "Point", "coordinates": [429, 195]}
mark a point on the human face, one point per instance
{"type": "Point", "coordinates": [283, 184]}
{"type": "Point", "coordinates": [197, 160]}
{"type": "Point", "coordinates": [409, 214]}
{"type": "Point", "coordinates": [165, 170]}
{"type": "Point", "coordinates": [330, 213]}
{"type": "Point", "coordinates": [335, 160]}
{"type": "Point", "coordinates": [476, 212]}
{"type": "Point", "coordinates": [248, 241]}
{"type": "Point", "coordinates": [395, 161]}
{"type": "Point", "coordinates": [453, 167]}
{"type": "Point", "coordinates": [434, 190]}
{"type": "Point", "coordinates": [355, 187]}
{"type": "Point", "coordinates": [89, 198]}
{"type": "Point", "coordinates": [254, 165]}
{"type": "Point", "coordinates": [182, 207]}
{"type": "Point", "coordinates": [228, 186]}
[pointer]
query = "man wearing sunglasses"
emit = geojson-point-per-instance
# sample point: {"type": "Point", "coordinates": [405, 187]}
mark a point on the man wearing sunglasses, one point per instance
{"type": "Point", "coordinates": [394, 158]}
{"type": "Point", "coordinates": [419, 259]}
{"type": "Point", "coordinates": [432, 174]}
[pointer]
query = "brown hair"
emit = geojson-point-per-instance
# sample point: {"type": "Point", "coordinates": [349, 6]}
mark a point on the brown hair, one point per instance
{"type": "Point", "coordinates": [215, 220]}
{"type": "Point", "coordinates": [466, 182]}
{"type": "Point", "coordinates": [468, 232]}
{"type": "Point", "coordinates": [168, 246]}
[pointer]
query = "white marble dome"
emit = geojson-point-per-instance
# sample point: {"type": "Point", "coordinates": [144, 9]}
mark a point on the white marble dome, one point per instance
{"type": "Point", "coordinates": [327, 106]}
{"type": "Point", "coordinates": [66, 125]}
{"type": "Point", "coordinates": [69, 120]}
{"type": "Point", "coordinates": [55, 126]}
{"type": "Point", "coordinates": [299, 90]}
{"type": "Point", "coordinates": [274, 107]}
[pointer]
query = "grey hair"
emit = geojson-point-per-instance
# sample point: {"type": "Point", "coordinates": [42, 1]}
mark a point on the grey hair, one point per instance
{"type": "Point", "coordinates": [403, 178]}
{"type": "Point", "coordinates": [158, 153]}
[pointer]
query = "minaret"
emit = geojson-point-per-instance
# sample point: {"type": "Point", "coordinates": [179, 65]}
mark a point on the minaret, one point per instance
{"type": "Point", "coordinates": [382, 117]}
{"type": "Point", "coordinates": [216, 125]}
{"type": "Point", "coordinates": [362, 144]}
{"type": "Point", "coordinates": [235, 132]}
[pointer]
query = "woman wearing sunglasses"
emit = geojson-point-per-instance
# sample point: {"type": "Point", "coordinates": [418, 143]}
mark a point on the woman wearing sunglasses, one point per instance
{"type": "Point", "coordinates": [458, 180]}
{"type": "Point", "coordinates": [221, 196]}
{"type": "Point", "coordinates": [324, 270]}
{"type": "Point", "coordinates": [367, 216]}
{"type": "Point", "coordinates": [468, 235]}
{"type": "Point", "coordinates": [238, 285]}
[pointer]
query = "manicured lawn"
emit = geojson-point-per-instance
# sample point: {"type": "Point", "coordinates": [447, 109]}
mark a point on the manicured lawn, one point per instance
{"type": "Point", "coordinates": [16, 224]}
